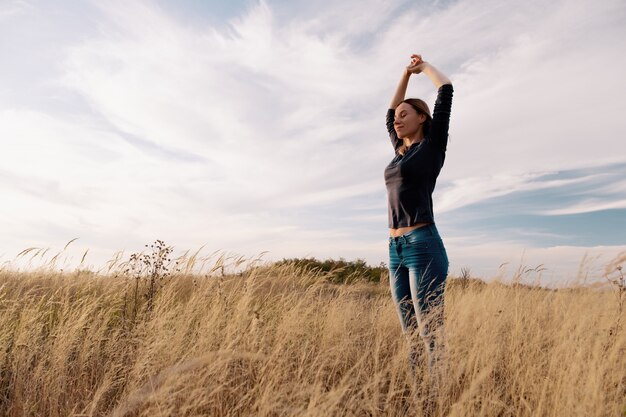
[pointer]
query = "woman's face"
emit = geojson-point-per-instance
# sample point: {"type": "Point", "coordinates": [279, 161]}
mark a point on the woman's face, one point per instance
{"type": "Point", "coordinates": [407, 121]}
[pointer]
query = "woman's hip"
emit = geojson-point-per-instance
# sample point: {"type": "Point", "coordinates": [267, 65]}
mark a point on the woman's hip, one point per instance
{"type": "Point", "coordinates": [419, 249]}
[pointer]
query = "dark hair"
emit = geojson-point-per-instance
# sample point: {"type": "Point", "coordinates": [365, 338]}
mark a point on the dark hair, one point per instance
{"type": "Point", "coordinates": [420, 107]}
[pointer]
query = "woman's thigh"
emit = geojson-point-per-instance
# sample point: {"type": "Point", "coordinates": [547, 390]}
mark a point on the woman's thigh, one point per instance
{"type": "Point", "coordinates": [398, 276]}
{"type": "Point", "coordinates": [427, 263]}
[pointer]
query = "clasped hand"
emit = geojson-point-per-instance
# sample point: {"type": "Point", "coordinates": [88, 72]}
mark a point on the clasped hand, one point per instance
{"type": "Point", "coordinates": [417, 64]}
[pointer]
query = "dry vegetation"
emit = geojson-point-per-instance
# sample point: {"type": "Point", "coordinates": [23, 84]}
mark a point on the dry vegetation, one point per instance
{"type": "Point", "coordinates": [281, 340]}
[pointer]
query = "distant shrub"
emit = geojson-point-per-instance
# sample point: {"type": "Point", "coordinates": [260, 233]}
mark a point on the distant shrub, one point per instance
{"type": "Point", "coordinates": [340, 271]}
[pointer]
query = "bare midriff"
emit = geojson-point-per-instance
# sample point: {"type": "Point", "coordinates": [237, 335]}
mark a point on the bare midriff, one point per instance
{"type": "Point", "coordinates": [402, 230]}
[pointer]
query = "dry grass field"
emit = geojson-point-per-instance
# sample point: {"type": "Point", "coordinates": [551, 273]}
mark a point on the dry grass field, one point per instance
{"type": "Point", "coordinates": [284, 341]}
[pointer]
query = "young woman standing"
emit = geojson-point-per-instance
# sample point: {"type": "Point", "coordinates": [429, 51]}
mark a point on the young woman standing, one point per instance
{"type": "Point", "coordinates": [418, 263]}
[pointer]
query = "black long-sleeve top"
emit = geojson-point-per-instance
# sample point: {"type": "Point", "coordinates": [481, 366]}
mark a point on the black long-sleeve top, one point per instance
{"type": "Point", "coordinates": [410, 178]}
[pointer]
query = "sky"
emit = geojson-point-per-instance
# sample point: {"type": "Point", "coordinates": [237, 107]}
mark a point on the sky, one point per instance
{"type": "Point", "coordinates": [256, 128]}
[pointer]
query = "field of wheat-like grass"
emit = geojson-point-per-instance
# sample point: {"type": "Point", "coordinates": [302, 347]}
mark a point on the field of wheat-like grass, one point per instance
{"type": "Point", "coordinates": [280, 340]}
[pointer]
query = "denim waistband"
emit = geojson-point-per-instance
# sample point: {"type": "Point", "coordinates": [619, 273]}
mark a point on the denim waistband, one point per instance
{"type": "Point", "coordinates": [419, 233]}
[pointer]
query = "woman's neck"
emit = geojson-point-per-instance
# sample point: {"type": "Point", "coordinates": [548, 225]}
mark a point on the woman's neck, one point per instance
{"type": "Point", "coordinates": [418, 136]}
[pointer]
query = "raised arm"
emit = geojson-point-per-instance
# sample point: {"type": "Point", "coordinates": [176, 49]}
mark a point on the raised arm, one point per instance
{"type": "Point", "coordinates": [441, 113]}
{"type": "Point", "coordinates": [400, 90]}
{"type": "Point", "coordinates": [397, 99]}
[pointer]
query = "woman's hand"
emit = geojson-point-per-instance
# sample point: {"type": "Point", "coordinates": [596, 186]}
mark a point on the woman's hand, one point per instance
{"type": "Point", "coordinates": [417, 64]}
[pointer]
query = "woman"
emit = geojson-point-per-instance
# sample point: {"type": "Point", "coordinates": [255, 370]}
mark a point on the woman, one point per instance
{"type": "Point", "coordinates": [418, 263]}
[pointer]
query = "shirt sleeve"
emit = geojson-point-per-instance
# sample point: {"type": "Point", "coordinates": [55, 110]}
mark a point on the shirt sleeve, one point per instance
{"type": "Point", "coordinates": [393, 136]}
{"type": "Point", "coordinates": [441, 116]}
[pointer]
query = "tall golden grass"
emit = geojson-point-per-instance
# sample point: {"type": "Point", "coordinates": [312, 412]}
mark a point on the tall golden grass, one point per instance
{"type": "Point", "coordinates": [284, 341]}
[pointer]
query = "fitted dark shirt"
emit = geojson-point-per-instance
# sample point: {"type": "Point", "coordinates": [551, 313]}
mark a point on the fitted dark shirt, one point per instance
{"type": "Point", "coordinates": [410, 179]}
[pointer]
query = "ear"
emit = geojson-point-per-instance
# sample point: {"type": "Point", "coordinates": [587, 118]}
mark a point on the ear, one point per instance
{"type": "Point", "coordinates": [422, 117]}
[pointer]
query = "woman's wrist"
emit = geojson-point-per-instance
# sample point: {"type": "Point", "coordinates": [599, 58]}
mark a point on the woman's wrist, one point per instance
{"type": "Point", "coordinates": [436, 76]}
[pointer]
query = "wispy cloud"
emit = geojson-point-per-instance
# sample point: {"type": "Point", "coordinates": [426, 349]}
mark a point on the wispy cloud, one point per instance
{"type": "Point", "coordinates": [587, 206]}
{"type": "Point", "coordinates": [467, 191]}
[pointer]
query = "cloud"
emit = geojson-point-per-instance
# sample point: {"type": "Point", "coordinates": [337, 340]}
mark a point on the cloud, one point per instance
{"type": "Point", "coordinates": [587, 206]}
{"type": "Point", "coordinates": [463, 192]}
{"type": "Point", "coordinates": [11, 8]}
{"type": "Point", "coordinates": [532, 104]}
{"type": "Point", "coordinates": [284, 90]}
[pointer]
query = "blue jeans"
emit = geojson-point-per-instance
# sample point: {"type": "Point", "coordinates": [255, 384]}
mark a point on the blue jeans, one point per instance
{"type": "Point", "coordinates": [418, 269]}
